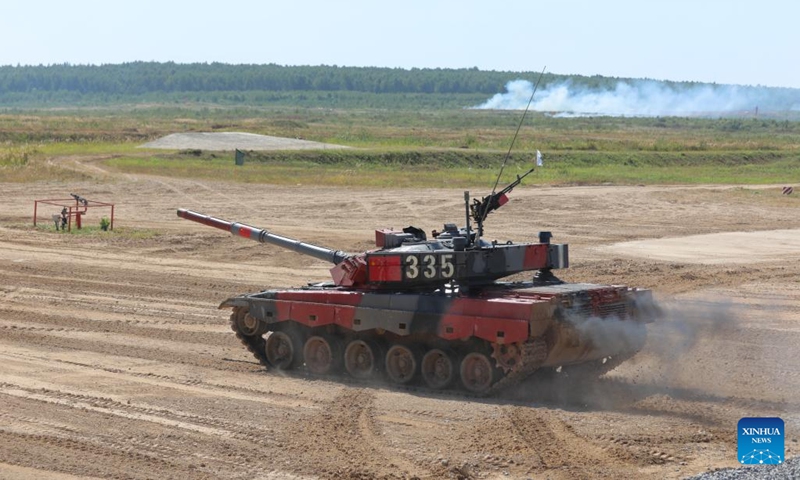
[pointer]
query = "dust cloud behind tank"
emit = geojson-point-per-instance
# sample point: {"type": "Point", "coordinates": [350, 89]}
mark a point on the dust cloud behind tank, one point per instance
{"type": "Point", "coordinates": [435, 311]}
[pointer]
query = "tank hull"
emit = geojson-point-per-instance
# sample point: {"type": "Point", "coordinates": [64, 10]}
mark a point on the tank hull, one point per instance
{"type": "Point", "coordinates": [482, 342]}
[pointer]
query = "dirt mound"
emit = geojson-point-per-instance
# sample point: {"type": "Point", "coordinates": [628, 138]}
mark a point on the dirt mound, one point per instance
{"type": "Point", "coordinates": [232, 141]}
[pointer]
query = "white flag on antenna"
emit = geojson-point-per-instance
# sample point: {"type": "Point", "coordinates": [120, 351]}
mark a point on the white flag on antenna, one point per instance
{"type": "Point", "coordinates": [538, 158]}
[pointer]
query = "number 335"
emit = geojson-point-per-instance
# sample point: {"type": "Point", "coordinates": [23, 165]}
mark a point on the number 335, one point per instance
{"type": "Point", "coordinates": [427, 265]}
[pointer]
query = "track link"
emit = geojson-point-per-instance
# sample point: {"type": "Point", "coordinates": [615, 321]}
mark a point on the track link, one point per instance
{"type": "Point", "coordinates": [534, 353]}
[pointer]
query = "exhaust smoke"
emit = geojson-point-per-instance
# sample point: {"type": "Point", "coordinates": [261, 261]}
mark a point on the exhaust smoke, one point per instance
{"type": "Point", "coordinates": [644, 98]}
{"type": "Point", "coordinates": [669, 347]}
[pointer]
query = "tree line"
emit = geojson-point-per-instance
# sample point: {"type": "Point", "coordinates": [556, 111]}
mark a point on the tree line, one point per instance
{"type": "Point", "coordinates": [269, 85]}
{"type": "Point", "coordinates": [138, 78]}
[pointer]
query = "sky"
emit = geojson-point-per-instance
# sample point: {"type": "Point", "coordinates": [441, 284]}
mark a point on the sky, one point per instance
{"type": "Point", "coordinates": [726, 42]}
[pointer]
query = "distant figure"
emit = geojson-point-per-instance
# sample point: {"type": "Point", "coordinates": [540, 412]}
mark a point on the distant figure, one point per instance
{"type": "Point", "coordinates": [63, 218]}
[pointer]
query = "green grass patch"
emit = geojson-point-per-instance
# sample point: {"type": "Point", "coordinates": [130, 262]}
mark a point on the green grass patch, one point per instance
{"type": "Point", "coordinates": [468, 169]}
{"type": "Point", "coordinates": [307, 173]}
{"type": "Point", "coordinates": [15, 156]}
{"type": "Point", "coordinates": [87, 148]}
{"type": "Point", "coordinates": [95, 231]}
{"type": "Point", "coordinates": [118, 232]}
{"type": "Point", "coordinates": [26, 163]}
{"type": "Point", "coordinates": [421, 147]}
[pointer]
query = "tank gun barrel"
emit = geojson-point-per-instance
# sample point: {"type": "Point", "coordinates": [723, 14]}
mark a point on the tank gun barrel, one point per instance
{"type": "Point", "coordinates": [264, 236]}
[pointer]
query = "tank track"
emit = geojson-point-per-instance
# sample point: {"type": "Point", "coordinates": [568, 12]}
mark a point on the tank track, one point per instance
{"type": "Point", "coordinates": [255, 344]}
{"type": "Point", "coordinates": [533, 354]}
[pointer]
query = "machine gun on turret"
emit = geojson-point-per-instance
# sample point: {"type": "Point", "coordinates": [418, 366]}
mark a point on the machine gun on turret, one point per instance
{"type": "Point", "coordinates": [480, 209]}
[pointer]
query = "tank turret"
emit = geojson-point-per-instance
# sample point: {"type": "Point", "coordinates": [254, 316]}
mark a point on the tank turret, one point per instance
{"type": "Point", "coordinates": [407, 259]}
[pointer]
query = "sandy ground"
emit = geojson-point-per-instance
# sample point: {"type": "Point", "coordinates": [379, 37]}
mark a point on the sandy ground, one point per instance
{"type": "Point", "coordinates": [233, 140]}
{"type": "Point", "coordinates": [115, 362]}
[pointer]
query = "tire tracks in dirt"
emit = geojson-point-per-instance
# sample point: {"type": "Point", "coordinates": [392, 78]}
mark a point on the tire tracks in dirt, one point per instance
{"type": "Point", "coordinates": [557, 445]}
{"type": "Point", "coordinates": [76, 163]}
{"type": "Point", "coordinates": [343, 440]}
{"type": "Point", "coordinates": [27, 396]}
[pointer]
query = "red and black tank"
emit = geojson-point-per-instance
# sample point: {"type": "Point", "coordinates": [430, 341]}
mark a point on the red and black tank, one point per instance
{"type": "Point", "coordinates": [434, 311]}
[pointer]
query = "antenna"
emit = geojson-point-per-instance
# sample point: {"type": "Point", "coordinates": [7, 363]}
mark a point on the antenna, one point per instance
{"type": "Point", "coordinates": [482, 209]}
{"type": "Point", "coordinates": [510, 147]}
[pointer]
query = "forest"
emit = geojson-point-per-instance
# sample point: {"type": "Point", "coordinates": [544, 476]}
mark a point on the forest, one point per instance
{"type": "Point", "coordinates": [324, 86]}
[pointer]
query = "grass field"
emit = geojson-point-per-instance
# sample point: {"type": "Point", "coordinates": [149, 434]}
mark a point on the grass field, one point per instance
{"type": "Point", "coordinates": [456, 148]}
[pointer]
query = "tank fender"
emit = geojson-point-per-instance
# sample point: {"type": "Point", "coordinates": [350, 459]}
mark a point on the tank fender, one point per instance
{"type": "Point", "coordinates": [262, 306]}
{"type": "Point", "coordinates": [234, 302]}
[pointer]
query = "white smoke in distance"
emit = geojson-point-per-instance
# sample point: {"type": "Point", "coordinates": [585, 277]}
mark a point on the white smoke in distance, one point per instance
{"type": "Point", "coordinates": [643, 98]}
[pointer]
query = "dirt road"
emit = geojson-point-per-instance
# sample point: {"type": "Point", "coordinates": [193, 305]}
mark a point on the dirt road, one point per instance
{"type": "Point", "coordinates": [115, 362]}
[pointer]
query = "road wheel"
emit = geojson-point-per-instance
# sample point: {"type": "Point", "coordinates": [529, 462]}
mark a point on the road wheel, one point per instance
{"type": "Point", "coordinates": [401, 365]}
{"type": "Point", "coordinates": [247, 324]}
{"type": "Point", "coordinates": [281, 351]}
{"type": "Point", "coordinates": [361, 359]}
{"type": "Point", "coordinates": [438, 369]}
{"type": "Point", "coordinates": [477, 372]}
{"type": "Point", "coordinates": [319, 354]}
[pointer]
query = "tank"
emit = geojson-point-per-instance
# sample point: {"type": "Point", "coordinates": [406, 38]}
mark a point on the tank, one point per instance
{"type": "Point", "coordinates": [434, 311]}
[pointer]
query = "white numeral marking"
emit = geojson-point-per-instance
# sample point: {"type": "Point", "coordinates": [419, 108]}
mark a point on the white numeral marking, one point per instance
{"type": "Point", "coordinates": [447, 266]}
{"type": "Point", "coordinates": [430, 266]}
{"type": "Point", "coordinates": [412, 268]}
